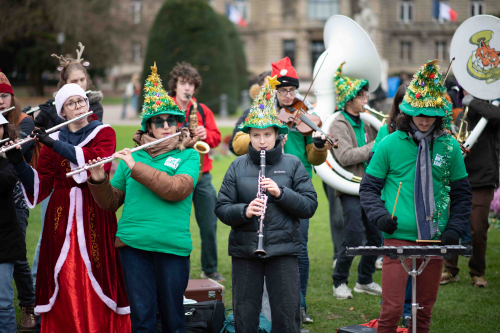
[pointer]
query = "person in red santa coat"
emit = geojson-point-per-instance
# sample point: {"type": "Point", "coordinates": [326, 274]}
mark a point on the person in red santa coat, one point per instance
{"type": "Point", "coordinates": [80, 286]}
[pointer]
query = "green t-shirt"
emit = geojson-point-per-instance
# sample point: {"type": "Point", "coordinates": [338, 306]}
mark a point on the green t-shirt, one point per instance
{"type": "Point", "coordinates": [382, 133]}
{"type": "Point", "coordinates": [296, 145]}
{"type": "Point", "coordinates": [148, 222]}
{"type": "Point", "coordinates": [395, 161]}
{"type": "Point", "coordinates": [359, 131]}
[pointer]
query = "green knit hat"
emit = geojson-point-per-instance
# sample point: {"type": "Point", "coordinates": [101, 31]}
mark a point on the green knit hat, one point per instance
{"type": "Point", "coordinates": [426, 93]}
{"type": "Point", "coordinates": [346, 88]}
{"type": "Point", "coordinates": [262, 114]}
{"type": "Point", "coordinates": [157, 101]}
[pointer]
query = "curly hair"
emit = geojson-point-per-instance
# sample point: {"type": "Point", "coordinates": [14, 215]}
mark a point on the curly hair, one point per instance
{"type": "Point", "coordinates": [10, 132]}
{"type": "Point", "coordinates": [184, 71]}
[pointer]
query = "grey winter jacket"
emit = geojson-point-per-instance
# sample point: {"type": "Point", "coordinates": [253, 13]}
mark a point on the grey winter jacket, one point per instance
{"type": "Point", "coordinates": [297, 201]}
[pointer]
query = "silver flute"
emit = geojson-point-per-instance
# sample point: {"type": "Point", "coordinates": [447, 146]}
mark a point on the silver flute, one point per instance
{"type": "Point", "coordinates": [4, 140]}
{"type": "Point", "coordinates": [261, 194]}
{"type": "Point", "coordinates": [50, 130]}
{"type": "Point", "coordinates": [109, 159]}
{"type": "Point", "coordinates": [37, 108]}
{"type": "Point", "coordinates": [7, 110]}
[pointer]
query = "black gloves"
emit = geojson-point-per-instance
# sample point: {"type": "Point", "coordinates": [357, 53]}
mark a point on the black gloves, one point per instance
{"type": "Point", "coordinates": [15, 156]}
{"type": "Point", "coordinates": [44, 137]}
{"type": "Point", "coordinates": [450, 237]}
{"type": "Point", "coordinates": [387, 224]}
{"type": "Point", "coordinates": [319, 142]}
{"type": "Point", "coordinates": [26, 109]}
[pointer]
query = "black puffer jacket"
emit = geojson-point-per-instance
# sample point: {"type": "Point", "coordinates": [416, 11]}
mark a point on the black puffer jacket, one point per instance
{"type": "Point", "coordinates": [297, 200]}
{"type": "Point", "coordinates": [482, 163]}
{"type": "Point", "coordinates": [12, 245]}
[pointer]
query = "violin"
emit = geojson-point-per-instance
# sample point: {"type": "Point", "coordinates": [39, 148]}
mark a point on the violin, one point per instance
{"type": "Point", "coordinates": [305, 123]}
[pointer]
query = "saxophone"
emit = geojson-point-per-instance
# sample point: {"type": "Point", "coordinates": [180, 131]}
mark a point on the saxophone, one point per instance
{"type": "Point", "coordinates": [201, 147]}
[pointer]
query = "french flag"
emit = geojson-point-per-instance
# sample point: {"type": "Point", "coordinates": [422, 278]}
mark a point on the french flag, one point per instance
{"type": "Point", "coordinates": [443, 11]}
{"type": "Point", "coordinates": [234, 16]}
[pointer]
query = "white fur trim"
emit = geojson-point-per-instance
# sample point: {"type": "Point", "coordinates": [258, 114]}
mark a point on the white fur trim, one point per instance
{"type": "Point", "coordinates": [85, 255]}
{"type": "Point", "coordinates": [76, 200]}
{"type": "Point", "coordinates": [82, 177]}
{"type": "Point", "coordinates": [283, 72]}
{"type": "Point", "coordinates": [36, 189]}
{"type": "Point", "coordinates": [62, 256]}
{"type": "Point", "coordinates": [68, 90]}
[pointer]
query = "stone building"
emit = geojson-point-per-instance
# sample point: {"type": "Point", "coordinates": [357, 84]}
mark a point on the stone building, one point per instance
{"type": "Point", "coordinates": [404, 31]}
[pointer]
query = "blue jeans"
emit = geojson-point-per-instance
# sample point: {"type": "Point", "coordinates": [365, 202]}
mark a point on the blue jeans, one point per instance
{"type": "Point", "coordinates": [153, 278]}
{"type": "Point", "coordinates": [7, 313]}
{"type": "Point", "coordinates": [22, 270]}
{"type": "Point", "coordinates": [34, 267]}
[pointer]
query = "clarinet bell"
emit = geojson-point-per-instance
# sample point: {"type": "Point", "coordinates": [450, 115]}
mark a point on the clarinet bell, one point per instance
{"type": "Point", "coordinates": [260, 252]}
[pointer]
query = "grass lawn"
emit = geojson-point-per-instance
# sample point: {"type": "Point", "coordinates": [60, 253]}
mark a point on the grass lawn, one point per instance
{"type": "Point", "coordinates": [459, 308]}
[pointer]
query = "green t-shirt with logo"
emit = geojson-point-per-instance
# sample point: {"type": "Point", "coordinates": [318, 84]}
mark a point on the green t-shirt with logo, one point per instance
{"type": "Point", "coordinates": [395, 161]}
{"type": "Point", "coordinates": [148, 222]}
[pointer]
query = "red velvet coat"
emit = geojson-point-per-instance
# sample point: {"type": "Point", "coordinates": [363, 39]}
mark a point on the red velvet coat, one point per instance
{"type": "Point", "coordinates": [96, 228]}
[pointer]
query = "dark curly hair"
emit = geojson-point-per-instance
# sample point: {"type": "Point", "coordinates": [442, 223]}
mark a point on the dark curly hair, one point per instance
{"type": "Point", "coordinates": [10, 132]}
{"type": "Point", "coordinates": [184, 71]}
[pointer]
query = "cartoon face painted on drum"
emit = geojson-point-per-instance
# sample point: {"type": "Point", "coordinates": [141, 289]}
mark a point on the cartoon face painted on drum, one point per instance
{"type": "Point", "coordinates": [484, 62]}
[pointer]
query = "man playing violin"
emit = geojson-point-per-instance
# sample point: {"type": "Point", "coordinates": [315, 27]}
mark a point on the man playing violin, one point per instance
{"type": "Point", "coordinates": [311, 149]}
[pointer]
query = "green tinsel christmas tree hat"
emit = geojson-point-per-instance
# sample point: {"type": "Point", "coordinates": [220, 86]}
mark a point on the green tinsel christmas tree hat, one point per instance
{"type": "Point", "coordinates": [426, 93]}
{"type": "Point", "coordinates": [346, 88]}
{"type": "Point", "coordinates": [262, 114]}
{"type": "Point", "coordinates": [157, 101]}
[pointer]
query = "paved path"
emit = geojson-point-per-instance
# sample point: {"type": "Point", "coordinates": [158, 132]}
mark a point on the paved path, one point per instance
{"type": "Point", "coordinates": [112, 116]}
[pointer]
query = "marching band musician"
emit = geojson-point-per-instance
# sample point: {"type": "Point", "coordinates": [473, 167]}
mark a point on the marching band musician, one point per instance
{"type": "Point", "coordinates": [24, 125]}
{"type": "Point", "coordinates": [291, 197]}
{"type": "Point", "coordinates": [311, 150]}
{"type": "Point", "coordinates": [80, 286]}
{"type": "Point", "coordinates": [482, 167]}
{"type": "Point", "coordinates": [355, 142]}
{"type": "Point", "coordinates": [422, 165]}
{"type": "Point", "coordinates": [155, 185]}
{"type": "Point", "coordinates": [185, 81]}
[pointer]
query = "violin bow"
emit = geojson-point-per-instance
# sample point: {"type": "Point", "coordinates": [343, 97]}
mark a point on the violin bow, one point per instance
{"type": "Point", "coordinates": [307, 93]}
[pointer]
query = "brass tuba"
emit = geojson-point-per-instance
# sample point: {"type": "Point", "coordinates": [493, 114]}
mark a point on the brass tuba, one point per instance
{"type": "Point", "coordinates": [201, 147]}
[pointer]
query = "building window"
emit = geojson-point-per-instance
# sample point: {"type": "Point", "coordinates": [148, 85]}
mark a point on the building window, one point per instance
{"type": "Point", "coordinates": [317, 49]}
{"type": "Point", "coordinates": [476, 7]}
{"type": "Point", "coordinates": [243, 7]}
{"type": "Point", "coordinates": [289, 50]}
{"type": "Point", "coordinates": [136, 11]}
{"type": "Point", "coordinates": [321, 10]}
{"type": "Point", "coordinates": [405, 54]}
{"type": "Point", "coordinates": [136, 52]}
{"type": "Point", "coordinates": [405, 11]}
{"type": "Point", "coordinates": [441, 51]}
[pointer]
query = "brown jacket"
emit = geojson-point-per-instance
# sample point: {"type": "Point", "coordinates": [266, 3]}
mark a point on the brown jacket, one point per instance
{"type": "Point", "coordinates": [348, 154]}
{"type": "Point", "coordinates": [172, 188]}
{"type": "Point", "coordinates": [315, 156]}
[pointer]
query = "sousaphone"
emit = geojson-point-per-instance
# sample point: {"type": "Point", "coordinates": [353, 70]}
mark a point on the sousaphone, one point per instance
{"type": "Point", "coordinates": [476, 49]}
{"type": "Point", "coordinates": [345, 41]}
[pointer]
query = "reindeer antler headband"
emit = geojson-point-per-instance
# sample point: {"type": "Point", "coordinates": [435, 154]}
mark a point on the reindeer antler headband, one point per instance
{"type": "Point", "coordinates": [65, 63]}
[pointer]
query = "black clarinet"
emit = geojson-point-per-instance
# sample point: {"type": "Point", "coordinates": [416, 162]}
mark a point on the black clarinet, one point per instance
{"type": "Point", "coordinates": [261, 194]}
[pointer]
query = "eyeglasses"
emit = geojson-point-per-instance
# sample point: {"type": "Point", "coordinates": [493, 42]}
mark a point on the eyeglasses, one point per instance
{"type": "Point", "coordinates": [366, 96]}
{"type": "Point", "coordinates": [72, 105]}
{"type": "Point", "coordinates": [4, 96]}
{"type": "Point", "coordinates": [286, 92]}
{"type": "Point", "coordinates": [159, 122]}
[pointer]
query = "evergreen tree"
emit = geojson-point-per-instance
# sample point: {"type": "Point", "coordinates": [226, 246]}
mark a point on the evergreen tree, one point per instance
{"type": "Point", "coordinates": [189, 30]}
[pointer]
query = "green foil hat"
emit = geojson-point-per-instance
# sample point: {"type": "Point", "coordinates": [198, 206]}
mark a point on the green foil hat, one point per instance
{"type": "Point", "coordinates": [425, 96]}
{"type": "Point", "coordinates": [346, 88]}
{"type": "Point", "coordinates": [157, 101]}
{"type": "Point", "coordinates": [262, 114]}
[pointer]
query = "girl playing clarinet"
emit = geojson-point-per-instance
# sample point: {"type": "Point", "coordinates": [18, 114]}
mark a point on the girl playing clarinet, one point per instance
{"type": "Point", "coordinates": [80, 286]}
{"type": "Point", "coordinates": [155, 185]}
{"type": "Point", "coordinates": [291, 197]}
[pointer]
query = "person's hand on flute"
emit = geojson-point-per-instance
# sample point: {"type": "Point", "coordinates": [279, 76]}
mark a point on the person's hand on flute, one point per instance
{"type": "Point", "coordinates": [97, 174]}
{"type": "Point", "coordinates": [126, 156]}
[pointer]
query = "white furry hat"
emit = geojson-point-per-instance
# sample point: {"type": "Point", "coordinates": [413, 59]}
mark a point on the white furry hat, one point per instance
{"type": "Point", "coordinates": [68, 90]}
